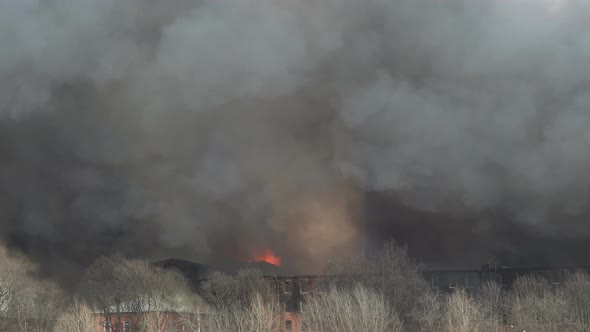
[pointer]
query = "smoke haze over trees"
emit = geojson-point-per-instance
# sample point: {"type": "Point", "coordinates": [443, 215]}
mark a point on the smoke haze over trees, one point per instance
{"type": "Point", "coordinates": [201, 129]}
{"type": "Point", "coordinates": [130, 290]}
{"type": "Point", "coordinates": [386, 293]}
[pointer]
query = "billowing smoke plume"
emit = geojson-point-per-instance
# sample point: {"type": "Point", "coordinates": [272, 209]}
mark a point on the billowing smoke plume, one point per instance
{"type": "Point", "coordinates": [203, 129]}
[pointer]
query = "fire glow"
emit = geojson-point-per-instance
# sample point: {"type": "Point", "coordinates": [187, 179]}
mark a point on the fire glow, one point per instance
{"type": "Point", "coordinates": [267, 256]}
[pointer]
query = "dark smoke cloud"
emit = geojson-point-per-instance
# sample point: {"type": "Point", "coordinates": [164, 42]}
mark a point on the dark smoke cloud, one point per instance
{"type": "Point", "coordinates": [202, 129]}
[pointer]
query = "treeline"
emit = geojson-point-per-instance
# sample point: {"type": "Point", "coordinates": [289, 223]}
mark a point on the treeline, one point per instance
{"type": "Point", "coordinates": [27, 303]}
{"type": "Point", "coordinates": [385, 293]}
{"type": "Point", "coordinates": [109, 288]}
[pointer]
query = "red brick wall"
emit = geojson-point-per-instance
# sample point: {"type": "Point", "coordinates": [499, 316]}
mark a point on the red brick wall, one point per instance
{"type": "Point", "coordinates": [294, 318]}
{"type": "Point", "coordinates": [167, 320]}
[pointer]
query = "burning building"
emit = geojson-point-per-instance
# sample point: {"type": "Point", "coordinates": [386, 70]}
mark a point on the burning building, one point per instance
{"type": "Point", "coordinates": [192, 128]}
{"type": "Point", "coordinates": [291, 291]}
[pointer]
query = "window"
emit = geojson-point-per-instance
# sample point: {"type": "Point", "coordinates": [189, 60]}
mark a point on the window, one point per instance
{"type": "Point", "coordinates": [434, 283]}
{"type": "Point", "coordinates": [127, 327]}
{"type": "Point", "coordinates": [303, 286]}
{"type": "Point", "coordinates": [290, 305]}
{"type": "Point", "coordinates": [471, 280]}
{"type": "Point", "coordinates": [107, 326]}
{"type": "Point", "coordinates": [289, 326]}
{"type": "Point", "coordinates": [286, 286]}
{"type": "Point", "coordinates": [453, 280]}
{"type": "Point", "coordinates": [556, 277]}
{"type": "Point", "coordinates": [539, 278]}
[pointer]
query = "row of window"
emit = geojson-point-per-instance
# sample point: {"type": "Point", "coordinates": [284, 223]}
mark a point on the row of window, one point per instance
{"type": "Point", "coordinates": [289, 326]}
{"type": "Point", "coordinates": [126, 325]}
{"type": "Point", "coordinates": [288, 286]}
{"type": "Point", "coordinates": [472, 280]}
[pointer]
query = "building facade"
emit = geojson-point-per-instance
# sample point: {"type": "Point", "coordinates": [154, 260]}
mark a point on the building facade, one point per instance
{"type": "Point", "coordinates": [470, 280]}
{"type": "Point", "coordinates": [155, 321]}
{"type": "Point", "coordinates": [294, 289]}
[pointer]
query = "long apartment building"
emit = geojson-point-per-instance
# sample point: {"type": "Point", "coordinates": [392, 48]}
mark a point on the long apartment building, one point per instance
{"type": "Point", "coordinates": [292, 290]}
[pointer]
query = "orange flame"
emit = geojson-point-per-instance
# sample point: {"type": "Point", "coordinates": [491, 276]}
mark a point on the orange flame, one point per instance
{"type": "Point", "coordinates": [266, 255]}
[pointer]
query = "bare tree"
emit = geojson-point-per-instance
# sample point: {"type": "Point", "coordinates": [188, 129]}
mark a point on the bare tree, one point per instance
{"type": "Point", "coordinates": [263, 314]}
{"type": "Point", "coordinates": [26, 303]}
{"type": "Point", "coordinates": [242, 302]}
{"type": "Point", "coordinates": [223, 290]}
{"type": "Point", "coordinates": [577, 293]}
{"type": "Point", "coordinates": [226, 319]}
{"type": "Point", "coordinates": [535, 306]}
{"type": "Point", "coordinates": [461, 310]}
{"type": "Point", "coordinates": [41, 305]}
{"type": "Point", "coordinates": [463, 313]}
{"type": "Point", "coordinates": [356, 310]}
{"type": "Point", "coordinates": [493, 306]}
{"type": "Point", "coordinates": [13, 286]}
{"type": "Point", "coordinates": [192, 316]}
{"type": "Point", "coordinates": [430, 312]}
{"type": "Point", "coordinates": [148, 294]}
{"type": "Point", "coordinates": [260, 315]}
{"type": "Point", "coordinates": [390, 272]}
{"type": "Point", "coordinates": [531, 305]}
{"type": "Point", "coordinates": [101, 292]}
{"type": "Point", "coordinates": [158, 321]}
{"type": "Point", "coordinates": [77, 318]}
{"type": "Point", "coordinates": [149, 288]}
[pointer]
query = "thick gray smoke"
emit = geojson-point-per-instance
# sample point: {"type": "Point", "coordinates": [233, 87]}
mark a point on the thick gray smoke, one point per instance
{"type": "Point", "coordinates": [208, 128]}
